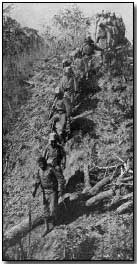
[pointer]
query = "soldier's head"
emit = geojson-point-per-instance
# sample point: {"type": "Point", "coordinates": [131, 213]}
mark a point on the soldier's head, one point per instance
{"type": "Point", "coordinates": [42, 163]}
{"type": "Point", "coordinates": [58, 92]}
{"type": "Point", "coordinates": [52, 139]}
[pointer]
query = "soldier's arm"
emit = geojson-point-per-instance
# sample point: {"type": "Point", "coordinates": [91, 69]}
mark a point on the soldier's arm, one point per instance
{"type": "Point", "coordinates": [63, 157]}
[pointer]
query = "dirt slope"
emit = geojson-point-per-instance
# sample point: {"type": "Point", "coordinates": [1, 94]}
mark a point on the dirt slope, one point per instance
{"type": "Point", "coordinates": [96, 139]}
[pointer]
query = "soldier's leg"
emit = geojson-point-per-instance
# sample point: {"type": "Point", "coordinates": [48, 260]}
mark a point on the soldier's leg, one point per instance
{"type": "Point", "coordinates": [60, 127]}
{"type": "Point", "coordinates": [53, 207]}
{"type": "Point", "coordinates": [86, 66]}
{"type": "Point", "coordinates": [68, 105]}
{"type": "Point", "coordinates": [61, 180]}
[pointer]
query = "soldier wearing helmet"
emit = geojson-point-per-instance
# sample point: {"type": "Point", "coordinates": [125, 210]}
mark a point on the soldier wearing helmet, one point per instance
{"type": "Point", "coordinates": [68, 83]}
{"type": "Point", "coordinates": [88, 49]}
{"type": "Point", "coordinates": [47, 180]}
{"type": "Point", "coordinates": [60, 114]}
{"type": "Point", "coordinates": [114, 25]}
{"type": "Point", "coordinates": [55, 157]}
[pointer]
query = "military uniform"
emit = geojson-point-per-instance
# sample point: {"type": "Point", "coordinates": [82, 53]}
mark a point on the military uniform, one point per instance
{"type": "Point", "coordinates": [59, 118]}
{"type": "Point", "coordinates": [88, 50]}
{"type": "Point", "coordinates": [68, 83]}
{"type": "Point", "coordinates": [46, 178]}
{"type": "Point", "coordinates": [55, 156]}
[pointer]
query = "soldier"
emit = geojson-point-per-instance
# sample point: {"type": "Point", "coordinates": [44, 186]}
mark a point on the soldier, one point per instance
{"type": "Point", "coordinates": [60, 113]}
{"type": "Point", "coordinates": [79, 68]}
{"type": "Point", "coordinates": [121, 26]}
{"type": "Point", "coordinates": [114, 23]}
{"type": "Point", "coordinates": [88, 49]}
{"type": "Point", "coordinates": [55, 156]}
{"type": "Point", "coordinates": [46, 178]}
{"type": "Point", "coordinates": [68, 83]}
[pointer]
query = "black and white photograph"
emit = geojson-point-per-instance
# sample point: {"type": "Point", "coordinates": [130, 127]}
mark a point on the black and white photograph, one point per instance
{"type": "Point", "coordinates": [68, 131]}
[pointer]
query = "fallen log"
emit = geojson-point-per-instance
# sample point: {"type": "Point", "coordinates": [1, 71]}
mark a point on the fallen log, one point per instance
{"type": "Point", "coordinates": [99, 197]}
{"type": "Point", "coordinates": [127, 179]}
{"type": "Point", "coordinates": [98, 186]}
{"type": "Point", "coordinates": [126, 184]}
{"type": "Point", "coordinates": [13, 236]}
{"type": "Point", "coordinates": [128, 206]}
{"type": "Point", "coordinates": [86, 113]}
{"type": "Point", "coordinates": [120, 199]}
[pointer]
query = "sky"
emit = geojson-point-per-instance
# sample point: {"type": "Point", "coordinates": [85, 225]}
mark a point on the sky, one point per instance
{"type": "Point", "coordinates": [37, 14]}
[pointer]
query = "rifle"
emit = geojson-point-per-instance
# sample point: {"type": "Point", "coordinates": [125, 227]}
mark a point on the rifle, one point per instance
{"type": "Point", "coordinates": [29, 227]}
{"type": "Point", "coordinates": [52, 108]}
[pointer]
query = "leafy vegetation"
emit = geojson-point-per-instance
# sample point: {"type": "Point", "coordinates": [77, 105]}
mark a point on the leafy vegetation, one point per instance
{"type": "Point", "coordinates": [97, 233]}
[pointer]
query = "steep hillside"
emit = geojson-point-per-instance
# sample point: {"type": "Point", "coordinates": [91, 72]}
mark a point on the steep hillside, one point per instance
{"type": "Point", "coordinates": [95, 218]}
{"type": "Point", "coordinates": [99, 138]}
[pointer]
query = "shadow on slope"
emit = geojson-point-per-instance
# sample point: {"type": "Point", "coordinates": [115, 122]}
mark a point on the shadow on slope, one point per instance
{"type": "Point", "coordinates": [70, 210]}
{"type": "Point", "coordinates": [84, 125]}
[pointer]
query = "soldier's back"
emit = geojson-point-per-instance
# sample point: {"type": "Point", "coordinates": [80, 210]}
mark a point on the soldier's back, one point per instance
{"type": "Point", "coordinates": [67, 83]}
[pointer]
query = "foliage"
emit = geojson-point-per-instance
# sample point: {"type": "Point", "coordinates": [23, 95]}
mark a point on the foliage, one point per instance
{"type": "Point", "coordinates": [19, 50]}
{"type": "Point", "coordinates": [107, 132]}
{"type": "Point", "coordinates": [72, 25]}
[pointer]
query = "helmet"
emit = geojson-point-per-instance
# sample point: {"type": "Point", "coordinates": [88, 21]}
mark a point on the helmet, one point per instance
{"type": "Point", "coordinates": [52, 137]}
{"type": "Point", "coordinates": [57, 90]}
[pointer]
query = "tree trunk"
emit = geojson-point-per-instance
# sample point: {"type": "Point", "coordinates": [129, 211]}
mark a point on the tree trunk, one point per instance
{"type": "Point", "coordinates": [13, 236]}
{"type": "Point", "coordinates": [99, 197]}
{"type": "Point", "coordinates": [98, 186]}
{"type": "Point", "coordinates": [126, 207]}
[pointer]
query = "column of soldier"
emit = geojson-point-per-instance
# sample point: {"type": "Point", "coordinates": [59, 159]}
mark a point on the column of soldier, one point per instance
{"type": "Point", "coordinates": [110, 21]}
{"type": "Point", "coordinates": [52, 163]}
